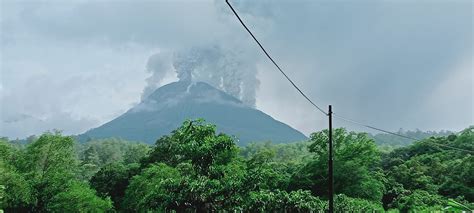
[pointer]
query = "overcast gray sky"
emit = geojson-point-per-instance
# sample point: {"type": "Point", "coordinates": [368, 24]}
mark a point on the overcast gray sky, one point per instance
{"type": "Point", "coordinates": [73, 65]}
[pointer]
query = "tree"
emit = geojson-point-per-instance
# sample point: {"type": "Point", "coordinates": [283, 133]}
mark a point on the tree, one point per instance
{"type": "Point", "coordinates": [282, 201]}
{"type": "Point", "coordinates": [460, 181]}
{"type": "Point", "coordinates": [91, 156]}
{"type": "Point", "coordinates": [263, 173]}
{"type": "Point", "coordinates": [135, 152]}
{"type": "Point", "coordinates": [270, 166]}
{"type": "Point", "coordinates": [112, 181]}
{"type": "Point", "coordinates": [196, 169]}
{"type": "Point", "coordinates": [432, 166]}
{"type": "Point", "coordinates": [16, 192]}
{"type": "Point", "coordinates": [149, 189]}
{"type": "Point", "coordinates": [112, 150]}
{"type": "Point", "coordinates": [78, 198]}
{"type": "Point", "coordinates": [195, 142]}
{"type": "Point", "coordinates": [50, 165]}
{"type": "Point", "coordinates": [45, 178]}
{"type": "Point", "coordinates": [344, 203]}
{"type": "Point", "coordinates": [90, 164]}
{"type": "Point", "coordinates": [193, 168]}
{"type": "Point", "coordinates": [420, 200]}
{"type": "Point", "coordinates": [303, 201]}
{"type": "Point", "coordinates": [356, 166]}
{"type": "Point", "coordinates": [99, 153]}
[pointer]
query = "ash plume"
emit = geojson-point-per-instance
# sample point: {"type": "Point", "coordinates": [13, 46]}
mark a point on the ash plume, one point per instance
{"type": "Point", "coordinates": [158, 65]}
{"type": "Point", "coordinates": [228, 69]}
{"type": "Point", "coordinates": [224, 68]}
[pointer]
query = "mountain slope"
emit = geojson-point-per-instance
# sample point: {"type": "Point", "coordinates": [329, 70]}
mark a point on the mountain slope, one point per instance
{"type": "Point", "coordinates": [166, 108]}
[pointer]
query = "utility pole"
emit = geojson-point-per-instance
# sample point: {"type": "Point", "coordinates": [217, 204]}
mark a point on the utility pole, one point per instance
{"type": "Point", "coordinates": [331, 176]}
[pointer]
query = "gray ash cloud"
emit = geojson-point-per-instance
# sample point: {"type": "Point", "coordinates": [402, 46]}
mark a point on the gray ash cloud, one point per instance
{"type": "Point", "coordinates": [226, 68]}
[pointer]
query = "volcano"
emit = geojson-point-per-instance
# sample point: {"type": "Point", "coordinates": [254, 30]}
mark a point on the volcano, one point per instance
{"type": "Point", "coordinates": [167, 107]}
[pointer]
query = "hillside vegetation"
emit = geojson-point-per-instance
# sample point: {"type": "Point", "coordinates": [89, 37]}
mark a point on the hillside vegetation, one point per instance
{"type": "Point", "coordinates": [195, 169]}
{"type": "Point", "coordinates": [388, 142]}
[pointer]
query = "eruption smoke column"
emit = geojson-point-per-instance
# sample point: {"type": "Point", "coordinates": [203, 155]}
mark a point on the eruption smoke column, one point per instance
{"type": "Point", "coordinates": [225, 69]}
{"type": "Point", "coordinates": [159, 65]}
{"type": "Point", "coordinates": [229, 69]}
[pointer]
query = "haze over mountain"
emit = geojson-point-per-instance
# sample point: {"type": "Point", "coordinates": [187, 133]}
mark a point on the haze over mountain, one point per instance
{"type": "Point", "coordinates": [167, 107]}
{"type": "Point", "coordinates": [74, 65]}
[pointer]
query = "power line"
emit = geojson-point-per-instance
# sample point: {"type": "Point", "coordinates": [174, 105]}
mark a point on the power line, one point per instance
{"type": "Point", "coordinates": [374, 128]}
{"type": "Point", "coordinates": [397, 134]}
{"type": "Point", "coordinates": [271, 59]}
{"type": "Point", "coordinates": [451, 147]}
{"type": "Point", "coordinates": [315, 105]}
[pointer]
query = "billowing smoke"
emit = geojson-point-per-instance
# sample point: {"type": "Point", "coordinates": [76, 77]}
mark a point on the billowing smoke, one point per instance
{"type": "Point", "coordinates": [158, 65]}
{"type": "Point", "coordinates": [229, 69]}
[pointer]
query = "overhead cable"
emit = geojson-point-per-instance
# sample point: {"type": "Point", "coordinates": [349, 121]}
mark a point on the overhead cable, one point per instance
{"type": "Point", "coordinates": [397, 134]}
{"type": "Point", "coordinates": [273, 61]}
{"type": "Point", "coordinates": [314, 104]}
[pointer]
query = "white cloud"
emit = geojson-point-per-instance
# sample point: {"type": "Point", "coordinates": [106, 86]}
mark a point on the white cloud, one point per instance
{"type": "Point", "coordinates": [80, 86]}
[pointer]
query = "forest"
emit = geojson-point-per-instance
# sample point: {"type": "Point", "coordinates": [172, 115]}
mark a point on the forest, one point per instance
{"type": "Point", "coordinates": [197, 169]}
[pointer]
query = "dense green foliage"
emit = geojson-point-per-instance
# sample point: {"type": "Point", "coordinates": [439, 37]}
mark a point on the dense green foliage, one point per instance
{"type": "Point", "coordinates": [420, 173]}
{"type": "Point", "coordinates": [99, 153]}
{"type": "Point", "coordinates": [43, 177]}
{"type": "Point", "coordinates": [356, 161]}
{"type": "Point", "coordinates": [196, 169]}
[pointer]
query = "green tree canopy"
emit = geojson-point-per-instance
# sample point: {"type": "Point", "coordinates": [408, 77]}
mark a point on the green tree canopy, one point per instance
{"type": "Point", "coordinates": [356, 166]}
{"type": "Point", "coordinates": [45, 178]}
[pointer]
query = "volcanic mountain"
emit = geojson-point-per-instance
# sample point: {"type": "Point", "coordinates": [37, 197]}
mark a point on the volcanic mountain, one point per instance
{"type": "Point", "coordinates": [167, 107]}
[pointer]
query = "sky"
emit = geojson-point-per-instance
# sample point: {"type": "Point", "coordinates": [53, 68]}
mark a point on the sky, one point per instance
{"type": "Point", "coordinates": [74, 65]}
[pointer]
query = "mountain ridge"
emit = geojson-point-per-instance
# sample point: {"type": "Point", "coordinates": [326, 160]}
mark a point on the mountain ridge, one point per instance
{"type": "Point", "coordinates": [168, 106]}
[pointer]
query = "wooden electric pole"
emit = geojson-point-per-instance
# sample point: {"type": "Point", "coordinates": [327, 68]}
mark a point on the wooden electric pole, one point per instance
{"type": "Point", "coordinates": [330, 164]}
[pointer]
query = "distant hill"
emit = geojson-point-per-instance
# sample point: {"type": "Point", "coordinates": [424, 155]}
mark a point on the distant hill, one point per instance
{"type": "Point", "coordinates": [166, 108]}
{"type": "Point", "coordinates": [383, 139]}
